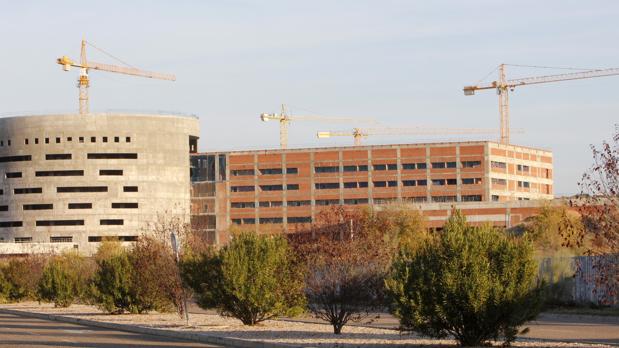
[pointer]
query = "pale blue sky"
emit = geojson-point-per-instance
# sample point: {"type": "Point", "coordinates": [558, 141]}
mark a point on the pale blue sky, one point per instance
{"type": "Point", "coordinates": [403, 63]}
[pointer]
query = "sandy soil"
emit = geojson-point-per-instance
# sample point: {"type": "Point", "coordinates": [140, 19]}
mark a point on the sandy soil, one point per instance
{"type": "Point", "coordinates": [272, 331]}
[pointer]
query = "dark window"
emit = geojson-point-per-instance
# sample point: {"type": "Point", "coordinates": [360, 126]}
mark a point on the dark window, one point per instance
{"type": "Point", "coordinates": [451, 164]}
{"type": "Point", "coordinates": [81, 139]}
{"type": "Point", "coordinates": [112, 156]}
{"type": "Point", "coordinates": [271, 187]}
{"type": "Point", "coordinates": [124, 205]}
{"type": "Point", "coordinates": [27, 190]}
{"type": "Point", "coordinates": [418, 199]}
{"type": "Point", "coordinates": [115, 222]}
{"type": "Point", "coordinates": [363, 168]}
{"type": "Point", "coordinates": [64, 189]}
{"type": "Point", "coordinates": [13, 175]}
{"type": "Point", "coordinates": [105, 139]}
{"type": "Point", "coordinates": [327, 202]}
{"type": "Point", "coordinates": [6, 224]}
{"type": "Point", "coordinates": [128, 238]}
{"type": "Point", "coordinates": [438, 182]}
{"type": "Point", "coordinates": [350, 168]}
{"type": "Point", "coordinates": [80, 205]}
{"type": "Point", "coordinates": [471, 164]}
{"type": "Point", "coordinates": [59, 173]}
{"type": "Point", "coordinates": [471, 181]}
{"type": "Point", "coordinates": [350, 185]}
{"type": "Point", "coordinates": [380, 167]}
{"type": "Point", "coordinates": [443, 199]}
{"type": "Point", "coordinates": [409, 183]}
{"type": "Point", "coordinates": [1, 192]}
{"type": "Point", "coordinates": [242, 172]}
{"type": "Point", "coordinates": [26, 141]}
{"type": "Point", "coordinates": [36, 140]}
{"type": "Point", "coordinates": [496, 181]}
{"type": "Point", "coordinates": [355, 201]}
{"type": "Point", "coordinates": [69, 138]}
{"type": "Point", "coordinates": [237, 221]}
{"type": "Point", "coordinates": [422, 165]}
{"type": "Point", "coordinates": [60, 222]}
{"type": "Point", "coordinates": [127, 139]}
{"type": "Point", "coordinates": [38, 206]}
{"type": "Point", "coordinates": [363, 184]}
{"type": "Point", "coordinates": [116, 139]}
{"type": "Point", "coordinates": [380, 184]}
{"type": "Point", "coordinates": [392, 183]}
{"type": "Point", "coordinates": [23, 239]}
{"type": "Point", "coordinates": [58, 156]}
{"type": "Point", "coordinates": [94, 239]}
{"type": "Point", "coordinates": [471, 198]}
{"type": "Point", "coordinates": [269, 204]}
{"type": "Point", "coordinates": [327, 185]}
{"type": "Point", "coordinates": [4, 208]}
{"type": "Point", "coordinates": [298, 203]}
{"type": "Point", "coordinates": [249, 221]}
{"type": "Point", "coordinates": [299, 219]}
{"type": "Point", "coordinates": [408, 166]}
{"type": "Point", "coordinates": [330, 169]}
{"type": "Point", "coordinates": [61, 239]}
{"type": "Point", "coordinates": [422, 182]}
{"type": "Point", "coordinates": [93, 139]}
{"type": "Point", "coordinates": [292, 170]}
{"type": "Point", "coordinates": [495, 198]}
{"type": "Point", "coordinates": [271, 220]}
{"type": "Point", "coordinates": [242, 188]}
{"type": "Point", "coordinates": [110, 172]}
{"type": "Point", "coordinates": [438, 165]}
{"type": "Point", "coordinates": [271, 171]}
{"type": "Point", "coordinates": [57, 140]}
{"type": "Point", "coordinates": [392, 167]}
{"type": "Point", "coordinates": [47, 140]}
{"type": "Point", "coordinates": [130, 189]}
{"type": "Point", "coordinates": [8, 142]}
{"type": "Point", "coordinates": [292, 187]}
{"type": "Point", "coordinates": [23, 158]}
{"type": "Point", "coordinates": [452, 182]}
{"type": "Point", "coordinates": [241, 205]}
{"type": "Point", "coordinates": [495, 164]}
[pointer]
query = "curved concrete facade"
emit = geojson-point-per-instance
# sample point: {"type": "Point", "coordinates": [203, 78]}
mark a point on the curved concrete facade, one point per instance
{"type": "Point", "coordinates": [73, 179]}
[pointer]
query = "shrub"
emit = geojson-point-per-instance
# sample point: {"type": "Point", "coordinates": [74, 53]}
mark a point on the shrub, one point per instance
{"type": "Point", "coordinates": [475, 283]}
{"type": "Point", "coordinates": [64, 280]}
{"type": "Point", "coordinates": [5, 286]}
{"type": "Point", "coordinates": [112, 283]}
{"type": "Point", "coordinates": [253, 278]}
{"type": "Point", "coordinates": [22, 275]}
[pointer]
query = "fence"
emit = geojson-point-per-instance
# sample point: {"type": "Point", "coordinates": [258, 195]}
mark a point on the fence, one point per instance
{"type": "Point", "coordinates": [582, 279]}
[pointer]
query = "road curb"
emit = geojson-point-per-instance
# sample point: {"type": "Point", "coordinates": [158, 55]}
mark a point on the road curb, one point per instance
{"type": "Point", "coordinates": [191, 336]}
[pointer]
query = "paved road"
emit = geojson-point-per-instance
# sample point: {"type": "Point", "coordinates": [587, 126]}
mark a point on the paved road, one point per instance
{"type": "Point", "coordinates": [18, 331]}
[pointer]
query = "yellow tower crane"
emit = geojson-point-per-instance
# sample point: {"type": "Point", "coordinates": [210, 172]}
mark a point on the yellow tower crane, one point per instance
{"type": "Point", "coordinates": [83, 82]}
{"type": "Point", "coordinates": [503, 86]}
{"type": "Point", "coordinates": [284, 120]}
{"type": "Point", "coordinates": [358, 134]}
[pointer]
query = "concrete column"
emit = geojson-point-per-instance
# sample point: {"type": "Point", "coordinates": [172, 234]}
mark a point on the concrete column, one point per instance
{"type": "Point", "coordinates": [428, 180]}
{"type": "Point", "coordinates": [458, 180]}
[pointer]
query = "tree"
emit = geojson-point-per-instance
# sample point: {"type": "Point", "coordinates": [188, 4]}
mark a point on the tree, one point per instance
{"type": "Point", "coordinates": [599, 206]}
{"type": "Point", "coordinates": [113, 289]}
{"type": "Point", "coordinates": [554, 229]}
{"type": "Point", "coordinates": [5, 286]}
{"type": "Point", "coordinates": [65, 279]}
{"type": "Point", "coordinates": [474, 283]}
{"type": "Point", "coordinates": [23, 276]}
{"type": "Point", "coordinates": [253, 278]}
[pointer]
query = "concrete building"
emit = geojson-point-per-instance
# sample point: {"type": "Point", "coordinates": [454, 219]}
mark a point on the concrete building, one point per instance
{"type": "Point", "coordinates": [69, 180]}
{"type": "Point", "coordinates": [285, 188]}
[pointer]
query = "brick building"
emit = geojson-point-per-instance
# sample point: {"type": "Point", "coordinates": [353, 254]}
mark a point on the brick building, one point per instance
{"type": "Point", "coordinates": [487, 180]}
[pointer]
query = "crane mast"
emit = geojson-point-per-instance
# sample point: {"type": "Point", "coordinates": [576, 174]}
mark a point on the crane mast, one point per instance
{"type": "Point", "coordinates": [503, 86]}
{"type": "Point", "coordinates": [83, 81]}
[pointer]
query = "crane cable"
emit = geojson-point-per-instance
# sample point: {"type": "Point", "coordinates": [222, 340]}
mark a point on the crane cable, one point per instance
{"type": "Point", "coordinates": [109, 55]}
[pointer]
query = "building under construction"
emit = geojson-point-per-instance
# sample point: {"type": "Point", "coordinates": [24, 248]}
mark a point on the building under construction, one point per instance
{"type": "Point", "coordinates": [491, 182]}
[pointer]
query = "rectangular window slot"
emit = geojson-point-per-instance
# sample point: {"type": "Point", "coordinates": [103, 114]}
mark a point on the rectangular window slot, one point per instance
{"type": "Point", "coordinates": [114, 222]}
{"type": "Point", "coordinates": [328, 169]}
{"type": "Point", "coordinates": [271, 171]}
{"type": "Point", "coordinates": [292, 187]}
{"type": "Point", "coordinates": [292, 170]}
{"type": "Point", "coordinates": [298, 203]}
{"type": "Point", "coordinates": [38, 206]}
{"type": "Point", "coordinates": [271, 220]}
{"type": "Point", "coordinates": [242, 172]}
{"type": "Point", "coordinates": [380, 167]}
{"type": "Point", "coordinates": [94, 239]}
{"type": "Point", "coordinates": [422, 182]}
{"type": "Point", "coordinates": [57, 140]}
{"type": "Point", "coordinates": [4, 208]}
{"type": "Point", "coordinates": [4, 159]}
{"type": "Point", "coordinates": [380, 184]}
{"type": "Point", "coordinates": [118, 172]}
{"type": "Point", "coordinates": [112, 156]}
{"type": "Point", "coordinates": [270, 204]}
{"type": "Point", "coordinates": [422, 165]}
{"type": "Point", "coordinates": [125, 205]}
{"type": "Point", "coordinates": [8, 224]}
{"type": "Point", "coordinates": [59, 173]}
{"type": "Point", "coordinates": [408, 166]}
{"type": "Point", "coordinates": [93, 139]}
{"type": "Point", "coordinates": [80, 205]}
{"type": "Point", "coordinates": [327, 202]}
{"type": "Point", "coordinates": [471, 164]}
{"type": "Point", "coordinates": [409, 183]}
{"type": "Point", "coordinates": [471, 198]}
{"type": "Point", "coordinates": [23, 239]}
{"type": "Point", "coordinates": [271, 187]}
{"type": "Point", "coordinates": [299, 219]}
{"type": "Point", "coordinates": [242, 188]}
{"type": "Point", "coordinates": [441, 199]}
{"type": "Point", "coordinates": [327, 185]}
{"type": "Point", "coordinates": [58, 156]}
{"type": "Point", "coordinates": [60, 223]}
{"type": "Point", "coordinates": [66, 189]}
{"type": "Point", "coordinates": [61, 239]}
{"type": "Point", "coordinates": [501, 165]}
{"type": "Point", "coordinates": [356, 201]}
{"type": "Point", "coordinates": [105, 139]}
{"type": "Point", "coordinates": [13, 175]}
{"type": "Point", "coordinates": [242, 205]}
{"type": "Point", "coordinates": [471, 181]}
{"type": "Point", "coordinates": [27, 190]}
{"type": "Point", "coordinates": [130, 189]}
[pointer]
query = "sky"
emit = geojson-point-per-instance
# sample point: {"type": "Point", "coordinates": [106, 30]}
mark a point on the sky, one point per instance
{"type": "Point", "coordinates": [400, 63]}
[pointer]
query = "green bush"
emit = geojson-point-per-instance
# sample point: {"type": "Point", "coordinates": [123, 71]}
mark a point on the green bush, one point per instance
{"type": "Point", "coordinates": [474, 283]}
{"type": "Point", "coordinates": [254, 278]}
{"type": "Point", "coordinates": [112, 283]}
{"type": "Point", "coordinates": [5, 286]}
{"type": "Point", "coordinates": [22, 275]}
{"type": "Point", "coordinates": [64, 280]}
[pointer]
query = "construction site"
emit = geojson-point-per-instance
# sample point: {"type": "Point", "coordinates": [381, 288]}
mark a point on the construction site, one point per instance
{"type": "Point", "coordinates": [71, 180]}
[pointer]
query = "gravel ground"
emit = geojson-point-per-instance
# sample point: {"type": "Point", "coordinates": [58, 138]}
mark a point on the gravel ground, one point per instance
{"type": "Point", "coordinates": [272, 331]}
